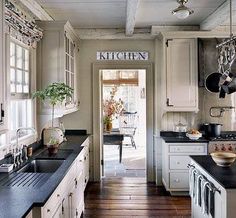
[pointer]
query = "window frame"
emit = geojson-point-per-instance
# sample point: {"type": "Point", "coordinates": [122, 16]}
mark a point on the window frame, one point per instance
{"type": "Point", "coordinates": [32, 137]}
{"type": "Point", "coordinates": [21, 95]}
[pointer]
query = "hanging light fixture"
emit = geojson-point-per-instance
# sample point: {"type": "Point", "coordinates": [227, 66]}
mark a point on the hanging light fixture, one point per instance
{"type": "Point", "coordinates": [182, 12]}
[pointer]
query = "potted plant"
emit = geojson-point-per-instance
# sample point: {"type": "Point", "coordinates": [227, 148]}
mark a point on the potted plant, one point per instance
{"type": "Point", "coordinates": [53, 145]}
{"type": "Point", "coordinates": [111, 109]}
{"type": "Point", "coordinates": [54, 93]}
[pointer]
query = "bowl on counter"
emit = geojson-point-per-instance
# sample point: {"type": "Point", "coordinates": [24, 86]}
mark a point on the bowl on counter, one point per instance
{"type": "Point", "coordinates": [223, 159]}
{"type": "Point", "coordinates": [194, 136]}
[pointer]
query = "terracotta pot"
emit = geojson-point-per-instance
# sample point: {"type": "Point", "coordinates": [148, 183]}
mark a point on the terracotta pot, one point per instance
{"type": "Point", "coordinates": [53, 149]}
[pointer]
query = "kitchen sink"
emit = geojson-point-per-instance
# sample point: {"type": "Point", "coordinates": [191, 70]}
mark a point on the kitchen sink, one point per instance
{"type": "Point", "coordinates": [41, 166]}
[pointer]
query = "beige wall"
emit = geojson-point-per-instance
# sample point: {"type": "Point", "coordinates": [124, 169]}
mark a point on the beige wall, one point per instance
{"type": "Point", "coordinates": [87, 55]}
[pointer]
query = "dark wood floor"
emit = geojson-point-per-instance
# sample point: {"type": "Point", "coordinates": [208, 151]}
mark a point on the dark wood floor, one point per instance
{"type": "Point", "coordinates": [132, 197]}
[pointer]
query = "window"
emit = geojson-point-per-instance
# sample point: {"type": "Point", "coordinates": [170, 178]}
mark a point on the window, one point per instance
{"type": "Point", "coordinates": [70, 65]}
{"type": "Point", "coordinates": [19, 69]}
{"type": "Point", "coordinates": [21, 105]}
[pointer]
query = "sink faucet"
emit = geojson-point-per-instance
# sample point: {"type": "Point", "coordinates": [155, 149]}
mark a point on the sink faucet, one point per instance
{"type": "Point", "coordinates": [18, 152]}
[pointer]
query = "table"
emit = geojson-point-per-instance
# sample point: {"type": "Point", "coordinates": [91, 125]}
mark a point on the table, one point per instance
{"type": "Point", "coordinates": [114, 138]}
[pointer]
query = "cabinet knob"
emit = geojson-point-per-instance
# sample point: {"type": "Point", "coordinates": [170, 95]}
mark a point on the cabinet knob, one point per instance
{"type": "Point", "coordinates": [176, 180]}
{"type": "Point", "coordinates": [48, 210]}
{"type": "Point", "coordinates": [58, 195]}
{"type": "Point", "coordinates": [177, 162]}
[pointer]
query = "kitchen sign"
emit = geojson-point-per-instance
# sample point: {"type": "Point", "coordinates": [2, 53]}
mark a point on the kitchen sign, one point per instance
{"type": "Point", "coordinates": [122, 56]}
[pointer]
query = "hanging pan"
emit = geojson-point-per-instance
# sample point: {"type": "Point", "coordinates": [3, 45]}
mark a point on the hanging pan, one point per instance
{"type": "Point", "coordinates": [212, 82]}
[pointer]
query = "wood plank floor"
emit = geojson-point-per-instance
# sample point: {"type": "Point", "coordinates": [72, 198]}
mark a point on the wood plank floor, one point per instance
{"type": "Point", "coordinates": [132, 197]}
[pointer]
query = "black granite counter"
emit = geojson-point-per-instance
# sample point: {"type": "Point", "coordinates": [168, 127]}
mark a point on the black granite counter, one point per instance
{"type": "Point", "coordinates": [173, 137]}
{"type": "Point", "coordinates": [226, 176]}
{"type": "Point", "coordinates": [18, 201]}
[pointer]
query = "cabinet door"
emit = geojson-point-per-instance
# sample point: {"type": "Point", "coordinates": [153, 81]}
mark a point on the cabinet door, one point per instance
{"type": "Point", "coordinates": [181, 65]}
{"type": "Point", "coordinates": [78, 201]}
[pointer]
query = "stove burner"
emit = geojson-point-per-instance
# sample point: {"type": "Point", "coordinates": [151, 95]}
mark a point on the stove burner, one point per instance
{"type": "Point", "coordinates": [225, 137]}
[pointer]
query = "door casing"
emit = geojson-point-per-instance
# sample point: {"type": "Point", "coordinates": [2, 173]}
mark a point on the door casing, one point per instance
{"type": "Point", "coordinates": [98, 118]}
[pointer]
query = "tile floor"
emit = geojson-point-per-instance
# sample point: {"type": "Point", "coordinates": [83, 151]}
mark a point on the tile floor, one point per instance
{"type": "Point", "coordinates": [133, 161]}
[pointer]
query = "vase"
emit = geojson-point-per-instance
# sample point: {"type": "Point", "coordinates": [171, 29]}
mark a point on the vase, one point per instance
{"type": "Point", "coordinates": [108, 126]}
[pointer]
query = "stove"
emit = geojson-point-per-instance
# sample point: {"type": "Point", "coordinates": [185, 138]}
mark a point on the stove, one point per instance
{"type": "Point", "coordinates": [225, 142]}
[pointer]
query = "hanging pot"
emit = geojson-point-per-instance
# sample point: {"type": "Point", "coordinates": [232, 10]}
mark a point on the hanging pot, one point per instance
{"type": "Point", "coordinates": [230, 87]}
{"type": "Point", "coordinates": [212, 82]}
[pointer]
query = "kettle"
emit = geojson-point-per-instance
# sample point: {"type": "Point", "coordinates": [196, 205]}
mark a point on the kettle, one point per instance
{"type": "Point", "coordinates": [52, 132]}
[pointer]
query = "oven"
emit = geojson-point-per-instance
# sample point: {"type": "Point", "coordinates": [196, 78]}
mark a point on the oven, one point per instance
{"type": "Point", "coordinates": [225, 142]}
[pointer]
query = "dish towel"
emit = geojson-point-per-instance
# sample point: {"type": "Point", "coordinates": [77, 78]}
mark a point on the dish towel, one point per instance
{"type": "Point", "coordinates": [197, 188]}
{"type": "Point", "coordinates": [204, 196]}
{"type": "Point", "coordinates": [192, 181]}
{"type": "Point", "coordinates": [211, 201]}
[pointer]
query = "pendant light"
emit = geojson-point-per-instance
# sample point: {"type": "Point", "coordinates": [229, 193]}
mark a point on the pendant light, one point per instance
{"type": "Point", "coordinates": [182, 12]}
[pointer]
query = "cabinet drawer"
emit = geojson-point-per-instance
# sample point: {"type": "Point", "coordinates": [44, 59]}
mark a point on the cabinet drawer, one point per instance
{"type": "Point", "coordinates": [187, 149]}
{"type": "Point", "coordinates": [179, 180]}
{"type": "Point", "coordinates": [179, 162]}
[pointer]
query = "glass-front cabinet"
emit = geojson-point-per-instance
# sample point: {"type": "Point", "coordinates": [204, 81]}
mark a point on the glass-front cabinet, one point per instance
{"type": "Point", "coordinates": [57, 58]}
{"type": "Point", "coordinates": [70, 68]}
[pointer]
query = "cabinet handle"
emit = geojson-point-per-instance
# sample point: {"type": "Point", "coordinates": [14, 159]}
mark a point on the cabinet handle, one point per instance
{"type": "Point", "coordinates": [168, 103]}
{"type": "Point", "coordinates": [1, 113]}
{"type": "Point", "coordinates": [76, 183]}
{"type": "Point", "coordinates": [62, 207]}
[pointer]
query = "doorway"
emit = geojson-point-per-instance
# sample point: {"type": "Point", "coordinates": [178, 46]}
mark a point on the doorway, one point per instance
{"type": "Point", "coordinates": [124, 116]}
{"type": "Point", "coordinates": [97, 148]}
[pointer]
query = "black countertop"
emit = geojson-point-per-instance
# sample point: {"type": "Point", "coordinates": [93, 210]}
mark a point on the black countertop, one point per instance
{"type": "Point", "coordinates": [18, 201]}
{"type": "Point", "coordinates": [226, 176]}
{"type": "Point", "coordinates": [173, 137]}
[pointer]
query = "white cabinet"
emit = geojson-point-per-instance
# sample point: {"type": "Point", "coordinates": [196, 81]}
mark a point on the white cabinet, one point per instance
{"type": "Point", "coordinates": [181, 75]}
{"type": "Point", "coordinates": [67, 201]}
{"type": "Point", "coordinates": [57, 61]}
{"type": "Point", "coordinates": [175, 159]}
{"type": "Point", "coordinates": [2, 70]}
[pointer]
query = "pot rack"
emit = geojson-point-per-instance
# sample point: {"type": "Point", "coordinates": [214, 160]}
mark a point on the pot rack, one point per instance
{"type": "Point", "coordinates": [227, 56]}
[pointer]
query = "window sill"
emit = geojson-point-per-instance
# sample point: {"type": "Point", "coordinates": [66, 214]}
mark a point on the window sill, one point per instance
{"type": "Point", "coordinates": [25, 140]}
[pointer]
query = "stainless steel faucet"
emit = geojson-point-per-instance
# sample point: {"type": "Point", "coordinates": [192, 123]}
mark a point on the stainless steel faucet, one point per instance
{"type": "Point", "coordinates": [18, 152]}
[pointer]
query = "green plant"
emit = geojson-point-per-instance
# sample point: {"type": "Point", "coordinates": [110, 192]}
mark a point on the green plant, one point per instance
{"type": "Point", "coordinates": [55, 93]}
{"type": "Point", "coordinates": [53, 141]}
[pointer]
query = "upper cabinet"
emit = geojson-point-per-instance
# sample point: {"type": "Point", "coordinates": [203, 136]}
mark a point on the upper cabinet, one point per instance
{"type": "Point", "coordinates": [181, 75]}
{"type": "Point", "coordinates": [57, 61]}
{"type": "Point", "coordinates": [2, 71]}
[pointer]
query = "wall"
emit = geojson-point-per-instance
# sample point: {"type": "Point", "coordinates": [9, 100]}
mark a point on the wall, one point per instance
{"type": "Point", "coordinates": [87, 55]}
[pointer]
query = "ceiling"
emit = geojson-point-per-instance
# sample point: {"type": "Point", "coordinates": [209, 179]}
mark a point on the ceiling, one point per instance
{"type": "Point", "coordinates": [112, 13]}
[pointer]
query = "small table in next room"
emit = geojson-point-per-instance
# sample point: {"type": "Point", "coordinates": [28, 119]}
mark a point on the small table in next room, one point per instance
{"type": "Point", "coordinates": [114, 138]}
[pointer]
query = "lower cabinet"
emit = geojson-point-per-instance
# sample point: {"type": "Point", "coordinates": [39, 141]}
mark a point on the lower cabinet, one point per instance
{"type": "Point", "coordinates": [67, 201]}
{"type": "Point", "coordinates": [175, 160]}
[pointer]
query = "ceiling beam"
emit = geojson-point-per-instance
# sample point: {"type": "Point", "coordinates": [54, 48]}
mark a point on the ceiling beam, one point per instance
{"type": "Point", "coordinates": [100, 34]}
{"type": "Point", "coordinates": [218, 17]}
{"type": "Point", "coordinates": [36, 10]}
{"type": "Point", "coordinates": [131, 11]}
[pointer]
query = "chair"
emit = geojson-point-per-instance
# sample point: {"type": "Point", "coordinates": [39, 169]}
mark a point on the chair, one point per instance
{"type": "Point", "coordinates": [128, 125]}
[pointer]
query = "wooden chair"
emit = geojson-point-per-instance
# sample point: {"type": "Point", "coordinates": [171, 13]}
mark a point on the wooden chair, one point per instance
{"type": "Point", "coordinates": [128, 125]}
